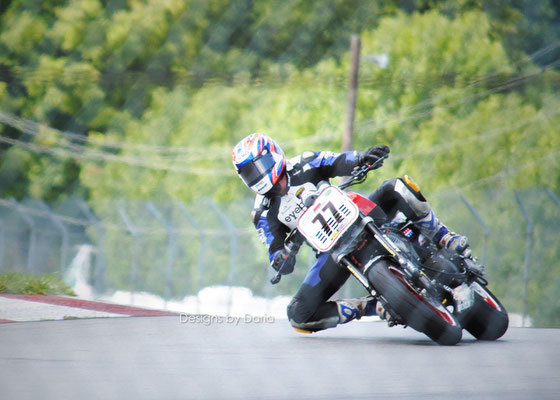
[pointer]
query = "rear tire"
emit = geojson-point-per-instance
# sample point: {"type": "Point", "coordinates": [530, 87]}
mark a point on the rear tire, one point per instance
{"type": "Point", "coordinates": [487, 319]}
{"type": "Point", "coordinates": [420, 313]}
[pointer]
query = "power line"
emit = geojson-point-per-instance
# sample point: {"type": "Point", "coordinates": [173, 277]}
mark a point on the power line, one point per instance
{"type": "Point", "coordinates": [189, 150]}
{"type": "Point", "coordinates": [159, 164]}
{"type": "Point", "coordinates": [428, 103]}
{"type": "Point", "coordinates": [36, 129]}
{"type": "Point", "coordinates": [108, 223]}
{"type": "Point", "coordinates": [163, 163]}
{"type": "Point", "coordinates": [510, 172]}
{"type": "Point", "coordinates": [98, 156]}
{"type": "Point", "coordinates": [480, 136]}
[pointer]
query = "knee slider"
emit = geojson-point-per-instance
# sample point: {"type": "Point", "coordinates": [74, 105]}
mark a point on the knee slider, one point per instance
{"type": "Point", "coordinates": [412, 198]}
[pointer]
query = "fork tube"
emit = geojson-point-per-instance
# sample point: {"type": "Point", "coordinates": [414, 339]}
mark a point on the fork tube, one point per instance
{"type": "Point", "coordinates": [358, 275]}
{"type": "Point", "coordinates": [382, 239]}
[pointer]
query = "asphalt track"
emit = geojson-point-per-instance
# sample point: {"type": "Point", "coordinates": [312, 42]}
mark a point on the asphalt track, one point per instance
{"type": "Point", "coordinates": [162, 358]}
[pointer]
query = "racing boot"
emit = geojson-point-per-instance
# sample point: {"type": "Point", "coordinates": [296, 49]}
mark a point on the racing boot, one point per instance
{"type": "Point", "coordinates": [431, 227]}
{"type": "Point", "coordinates": [454, 242]}
{"type": "Point", "coordinates": [384, 314]}
{"type": "Point", "coordinates": [350, 309]}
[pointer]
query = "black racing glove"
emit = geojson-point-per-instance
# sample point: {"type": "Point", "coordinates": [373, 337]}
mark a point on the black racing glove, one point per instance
{"type": "Point", "coordinates": [373, 154]}
{"type": "Point", "coordinates": [284, 257]}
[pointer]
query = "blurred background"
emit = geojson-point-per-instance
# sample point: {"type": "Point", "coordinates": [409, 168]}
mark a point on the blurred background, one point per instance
{"type": "Point", "coordinates": [117, 120]}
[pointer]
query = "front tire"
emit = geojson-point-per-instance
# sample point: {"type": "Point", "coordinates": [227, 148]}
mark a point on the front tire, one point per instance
{"type": "Point", "coordinates": [417, 311]}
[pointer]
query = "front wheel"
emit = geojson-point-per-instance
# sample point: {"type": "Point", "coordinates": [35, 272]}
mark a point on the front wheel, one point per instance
{"type": "Point", "coordinates": [487, 319]}
{"type": "Point", "coordinates": [420, 312]}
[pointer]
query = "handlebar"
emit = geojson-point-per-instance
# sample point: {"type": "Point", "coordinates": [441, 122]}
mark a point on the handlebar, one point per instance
{"type": "Point", "coordinates": [359, 174]}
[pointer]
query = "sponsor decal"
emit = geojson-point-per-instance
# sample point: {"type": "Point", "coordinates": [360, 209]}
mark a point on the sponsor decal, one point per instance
{"type": "Point", "coordinates": [262, 186]}
{"type": "Point", "coordinates": [293, 216]}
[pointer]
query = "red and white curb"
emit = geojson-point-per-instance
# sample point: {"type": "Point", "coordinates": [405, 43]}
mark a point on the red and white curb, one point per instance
{"type": "Point", "coordinates": [23, 307]}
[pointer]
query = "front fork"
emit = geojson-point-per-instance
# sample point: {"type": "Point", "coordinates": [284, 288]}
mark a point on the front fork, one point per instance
{"type": "Point", "coordinates": [358, 275]}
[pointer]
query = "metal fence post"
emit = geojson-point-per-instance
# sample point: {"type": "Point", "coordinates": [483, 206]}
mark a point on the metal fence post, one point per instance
{"type": "Point", "coordinates": [99, 276]}
{"type": "Point", "coordinates": [171, 250]}
{"type": "Point", "coordinates": [553, 197]}
{"type": "Point", "coordinates": [135, 249]}
{"type": "Point", "coordinates": [201, 251]}
{"type": "Point", "coordinates": [233, 249]}
{"type": "Point", "coordinates": [32, 235]}
{"type": "Point", "coordinates": [60, 225]}
{"type": "Point", "coordinates": [528, 245]}
{"type": "Point", "coordinates": [2, 245]}
{"type": "Point", "coordinates": [485, 229]}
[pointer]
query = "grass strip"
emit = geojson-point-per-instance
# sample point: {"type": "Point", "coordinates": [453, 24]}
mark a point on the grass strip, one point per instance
{"type": "Point", "coordinates": [23, 283]}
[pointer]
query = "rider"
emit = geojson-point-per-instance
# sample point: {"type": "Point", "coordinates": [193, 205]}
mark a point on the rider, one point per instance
{"type": "Point", "coordinates": [263, 167]}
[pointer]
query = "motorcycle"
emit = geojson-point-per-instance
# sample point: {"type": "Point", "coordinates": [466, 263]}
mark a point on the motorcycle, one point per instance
{"type": "Point", "coordinates": [434, 291]}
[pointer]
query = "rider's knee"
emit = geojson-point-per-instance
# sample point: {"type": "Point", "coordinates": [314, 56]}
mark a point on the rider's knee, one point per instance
{"type": "Point", "coordinates": [304, 319]}
{"type": "Point", "coordinates": [401, 194]}
{"type": "Point", "coordinates": [297, 311]}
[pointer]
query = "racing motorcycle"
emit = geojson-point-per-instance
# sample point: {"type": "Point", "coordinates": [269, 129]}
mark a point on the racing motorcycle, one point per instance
{"type": "Point", "coordinates": [434, 291]}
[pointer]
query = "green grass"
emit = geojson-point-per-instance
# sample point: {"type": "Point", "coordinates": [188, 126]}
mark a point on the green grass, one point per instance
{"type": "Point", "coordinates": [22, 283]}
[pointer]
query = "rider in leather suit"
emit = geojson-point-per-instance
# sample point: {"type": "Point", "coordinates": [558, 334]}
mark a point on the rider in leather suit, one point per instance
{"type": "Point", "coordinates": [263, 167]}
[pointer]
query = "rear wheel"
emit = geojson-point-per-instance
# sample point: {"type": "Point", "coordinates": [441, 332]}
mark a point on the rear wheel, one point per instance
{"type": "Point", "coordinates": [421, 313]}
{"type": "Point", "coordinates": [487, 319]}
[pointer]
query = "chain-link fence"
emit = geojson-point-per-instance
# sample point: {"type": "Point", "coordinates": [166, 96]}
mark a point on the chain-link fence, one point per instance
{"type": "Point", "coordinates": [174, 249]}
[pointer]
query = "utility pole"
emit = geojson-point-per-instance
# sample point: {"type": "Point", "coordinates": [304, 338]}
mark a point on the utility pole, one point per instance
{"type": "Point", "coordinates": [347, 145]}
{"type": "Point", "coordinates": [352, 93]}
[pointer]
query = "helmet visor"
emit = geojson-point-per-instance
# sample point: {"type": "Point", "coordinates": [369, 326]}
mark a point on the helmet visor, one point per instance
{"type": "Point", "coordinates": [254, 171]}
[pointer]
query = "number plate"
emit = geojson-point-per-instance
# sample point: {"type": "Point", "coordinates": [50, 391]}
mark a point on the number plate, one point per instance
{"type": "Point", "coordinates": [328, 218]}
